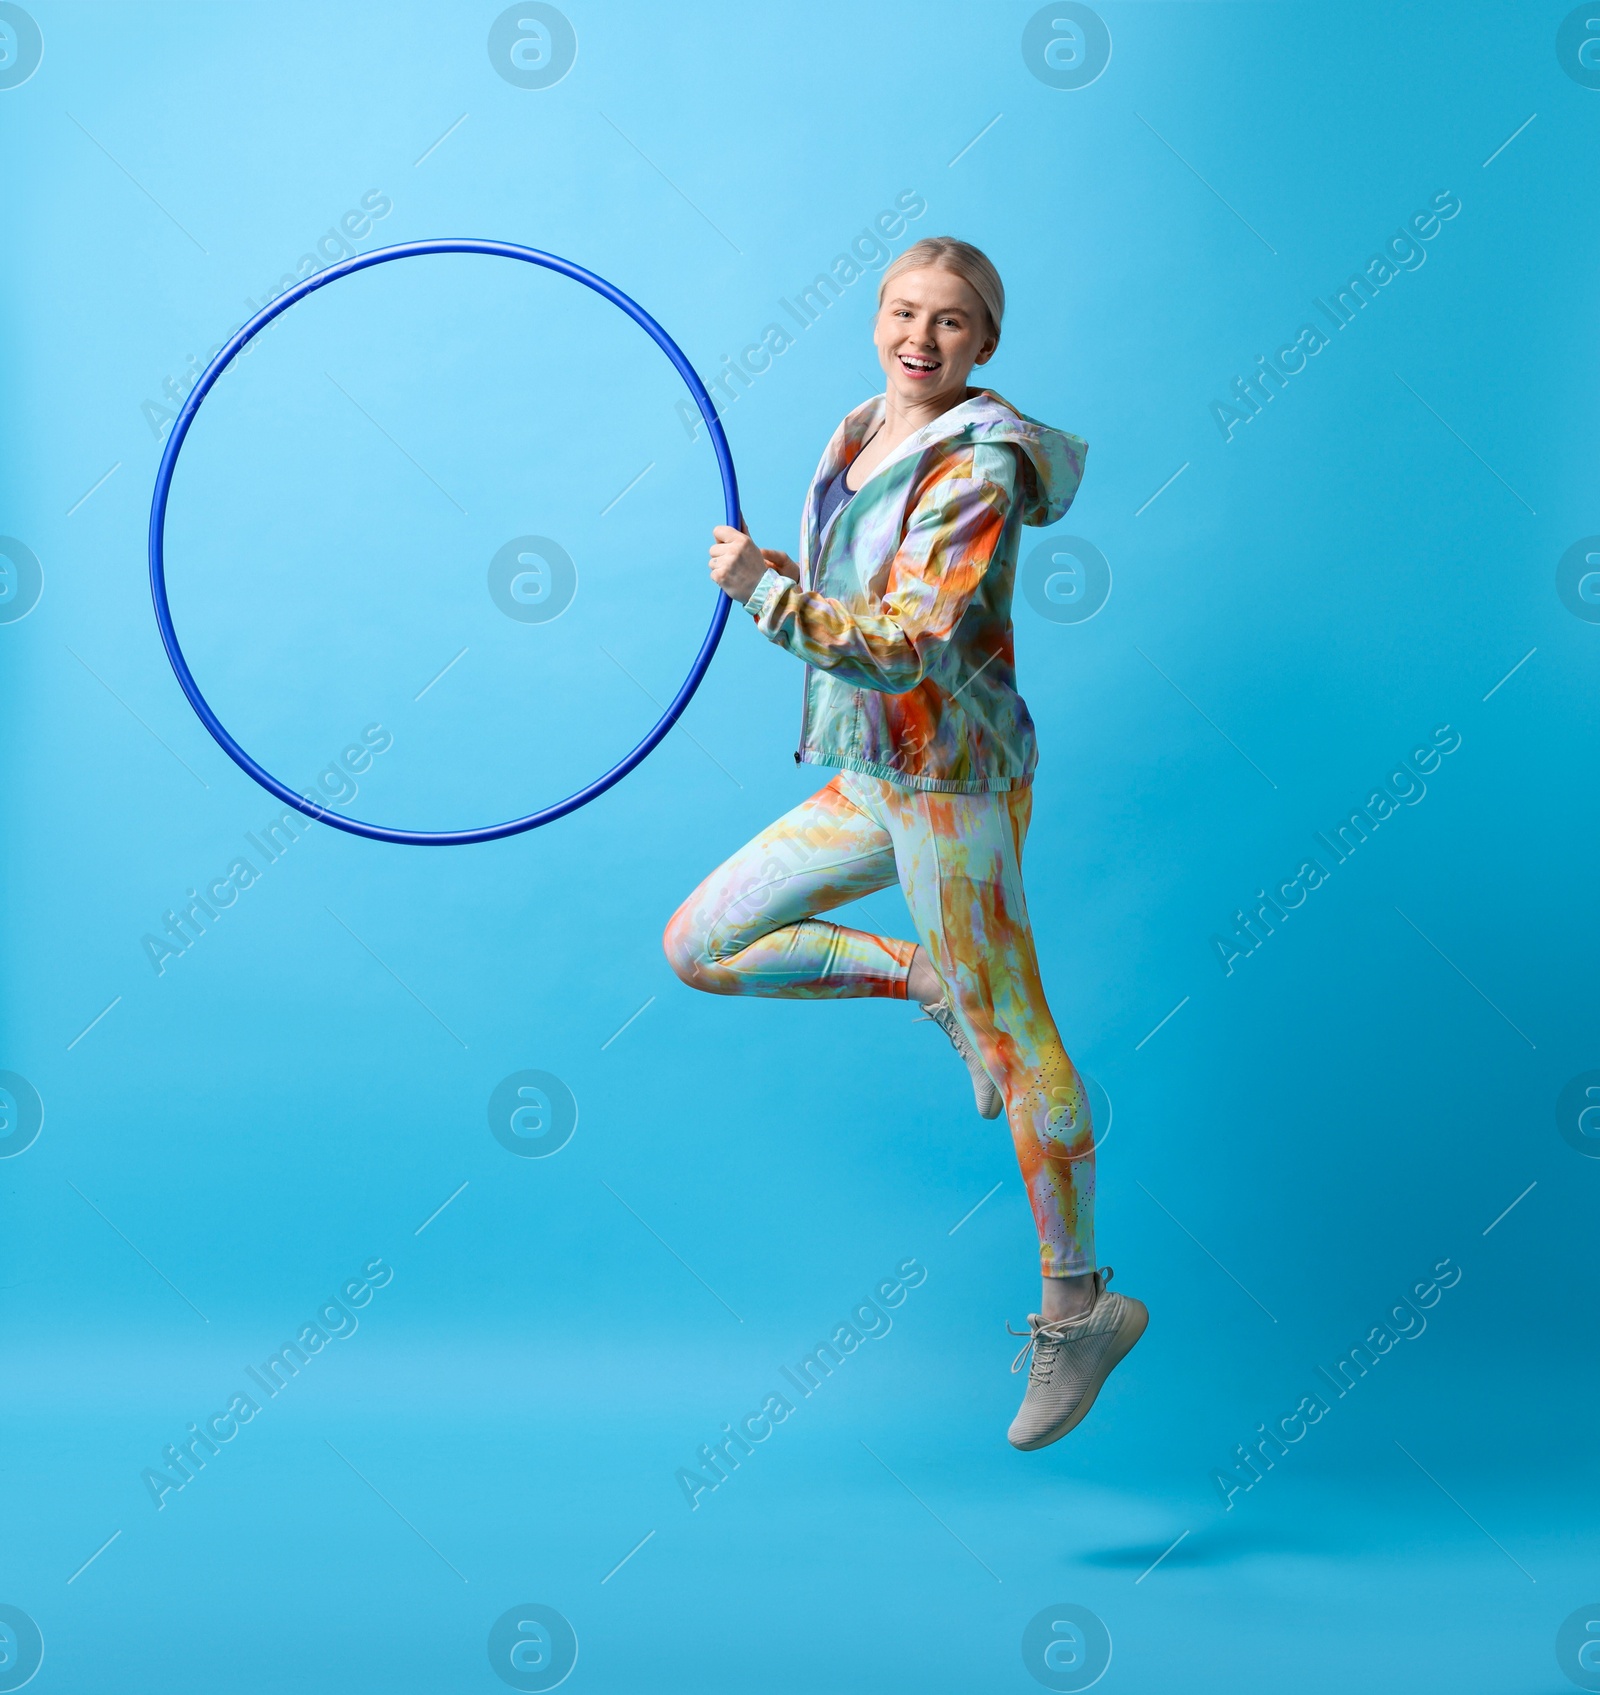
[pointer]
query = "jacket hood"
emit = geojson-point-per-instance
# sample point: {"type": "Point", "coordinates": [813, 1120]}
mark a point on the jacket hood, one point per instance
{"type": "Point", "coordinates": [1051, 459]}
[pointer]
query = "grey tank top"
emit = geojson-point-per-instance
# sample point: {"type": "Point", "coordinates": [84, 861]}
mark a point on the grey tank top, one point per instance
{"type": "Point", "coordinates": [835, 495]}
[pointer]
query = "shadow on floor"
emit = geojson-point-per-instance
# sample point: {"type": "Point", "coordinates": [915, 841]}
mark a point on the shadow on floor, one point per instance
{"type": "Point", "coordinates": [1209, 1546]}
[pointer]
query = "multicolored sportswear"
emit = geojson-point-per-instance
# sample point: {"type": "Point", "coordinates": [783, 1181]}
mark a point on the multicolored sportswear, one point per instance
{"type": "Point", "coordinates": [751, 928]}
{"type": "Point", "coordinates": [903, 609]}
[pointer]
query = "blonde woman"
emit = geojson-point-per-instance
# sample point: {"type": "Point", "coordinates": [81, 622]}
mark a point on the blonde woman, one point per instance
{"type": "Point", "coordinates": [900, 608]}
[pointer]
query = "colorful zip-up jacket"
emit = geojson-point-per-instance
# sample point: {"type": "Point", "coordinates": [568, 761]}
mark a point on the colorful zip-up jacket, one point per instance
{"type": "Point", "coordinates": [903, 609]}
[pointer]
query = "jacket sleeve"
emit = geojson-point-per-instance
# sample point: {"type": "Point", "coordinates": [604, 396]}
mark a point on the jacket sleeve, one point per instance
{"type": "Point", "coordinates": [949, 542]}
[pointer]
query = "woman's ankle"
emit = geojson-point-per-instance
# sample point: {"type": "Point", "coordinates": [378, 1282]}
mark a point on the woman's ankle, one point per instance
{"type": "Point", "coordinates": [1066, 1297]}
{"type": "Point", "coordinates": [922, 981]}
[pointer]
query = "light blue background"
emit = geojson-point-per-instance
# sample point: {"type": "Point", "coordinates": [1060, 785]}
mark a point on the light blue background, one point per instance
{"type": "Point", "coordinates": [1302, 1140]}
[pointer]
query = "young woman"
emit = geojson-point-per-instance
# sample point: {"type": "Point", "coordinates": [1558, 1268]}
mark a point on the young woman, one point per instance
{"type": "Point", "coordinates": [900, 608]}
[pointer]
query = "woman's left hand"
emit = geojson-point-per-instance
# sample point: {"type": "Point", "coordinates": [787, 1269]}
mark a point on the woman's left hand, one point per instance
{"type": "Point", "coordinates": [737, 564]}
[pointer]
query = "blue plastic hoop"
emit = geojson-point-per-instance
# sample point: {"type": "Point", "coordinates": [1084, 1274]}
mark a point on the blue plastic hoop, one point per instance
{"type": "Point", "coordinates": [158, 524]}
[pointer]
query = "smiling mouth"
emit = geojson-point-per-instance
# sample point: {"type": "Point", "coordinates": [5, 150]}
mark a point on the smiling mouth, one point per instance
{"type": "Point", "coordinates": [915, 366]}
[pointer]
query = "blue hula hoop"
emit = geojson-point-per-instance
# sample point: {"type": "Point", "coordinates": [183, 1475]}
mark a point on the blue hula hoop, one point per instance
{"type": "Point", "coordinates": [158, 523]}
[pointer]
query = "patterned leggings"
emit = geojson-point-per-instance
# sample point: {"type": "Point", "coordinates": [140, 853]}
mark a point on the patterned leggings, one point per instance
{"type": "Point", "coordinates": [751, 929]}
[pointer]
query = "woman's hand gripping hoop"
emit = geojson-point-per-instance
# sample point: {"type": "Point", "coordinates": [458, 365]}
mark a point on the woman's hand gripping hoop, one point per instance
{"type": "Point", "coordinates": [158, 522]}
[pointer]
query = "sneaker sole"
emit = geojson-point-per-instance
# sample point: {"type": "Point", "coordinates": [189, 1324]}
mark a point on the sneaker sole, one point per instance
{"type": "Point", "coordinates": [1132, 1327]}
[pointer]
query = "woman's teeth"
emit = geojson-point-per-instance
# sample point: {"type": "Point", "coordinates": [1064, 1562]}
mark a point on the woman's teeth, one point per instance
{"type": "Point", "coordinates": [912, 363]}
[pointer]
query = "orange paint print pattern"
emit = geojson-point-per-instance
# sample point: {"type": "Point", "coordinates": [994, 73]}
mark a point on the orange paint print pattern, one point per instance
{"type": "Point", "coordinates": [753, 927]}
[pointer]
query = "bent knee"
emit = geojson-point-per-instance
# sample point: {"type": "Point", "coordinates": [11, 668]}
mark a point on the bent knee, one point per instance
{"type": "Point", "coordinates": [684, 945]}
{"type": "Point", "coordinates": [691, 954]}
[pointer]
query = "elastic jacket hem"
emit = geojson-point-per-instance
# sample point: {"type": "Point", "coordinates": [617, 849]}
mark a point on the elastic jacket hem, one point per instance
{"type": "Point", "coordinates": [901, 780]}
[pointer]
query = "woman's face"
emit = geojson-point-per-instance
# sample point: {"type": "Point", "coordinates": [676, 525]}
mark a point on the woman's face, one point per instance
{"type": "Point", "coordinates": [932, 328]}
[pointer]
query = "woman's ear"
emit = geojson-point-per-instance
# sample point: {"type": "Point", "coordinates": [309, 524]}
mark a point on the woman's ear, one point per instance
{"type": "Point", "coordinates": [986, 353]}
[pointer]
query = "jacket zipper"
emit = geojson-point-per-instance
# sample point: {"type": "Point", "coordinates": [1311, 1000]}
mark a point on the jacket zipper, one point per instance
{"type": "Point", "coordinates": [805, 686]}
{"type": "Point", "coordinates": [805, 712]}
{"type": "Point", "coordinates": [894, 457]}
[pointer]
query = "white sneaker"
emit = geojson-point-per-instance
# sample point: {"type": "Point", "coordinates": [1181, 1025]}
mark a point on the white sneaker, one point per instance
{"type": "Point", "coordinates": [984, 1092]}
{"type": "Point", "coordinates": [1072, 1358]}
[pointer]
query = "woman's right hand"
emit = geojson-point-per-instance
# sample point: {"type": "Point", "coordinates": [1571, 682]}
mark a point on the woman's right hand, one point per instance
{"type": "Point", "coordinates": [781, 563]}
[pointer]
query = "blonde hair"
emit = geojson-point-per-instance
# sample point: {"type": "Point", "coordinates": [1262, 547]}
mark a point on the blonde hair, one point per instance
{"type": "Point", "coordinates": [970, 263]}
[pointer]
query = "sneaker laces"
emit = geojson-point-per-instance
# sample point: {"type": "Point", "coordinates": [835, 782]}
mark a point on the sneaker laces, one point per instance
{"type": "Point", "coordinates": [1046, 1335]}
{"type": "Point", "coordinates": [931, 1011]}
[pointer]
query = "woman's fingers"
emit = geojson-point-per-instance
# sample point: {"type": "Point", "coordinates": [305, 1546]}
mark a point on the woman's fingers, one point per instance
{"type": "Point", "coordinates": [736, 562]}
{"type": "Point", "coordinates": [781, 563]}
